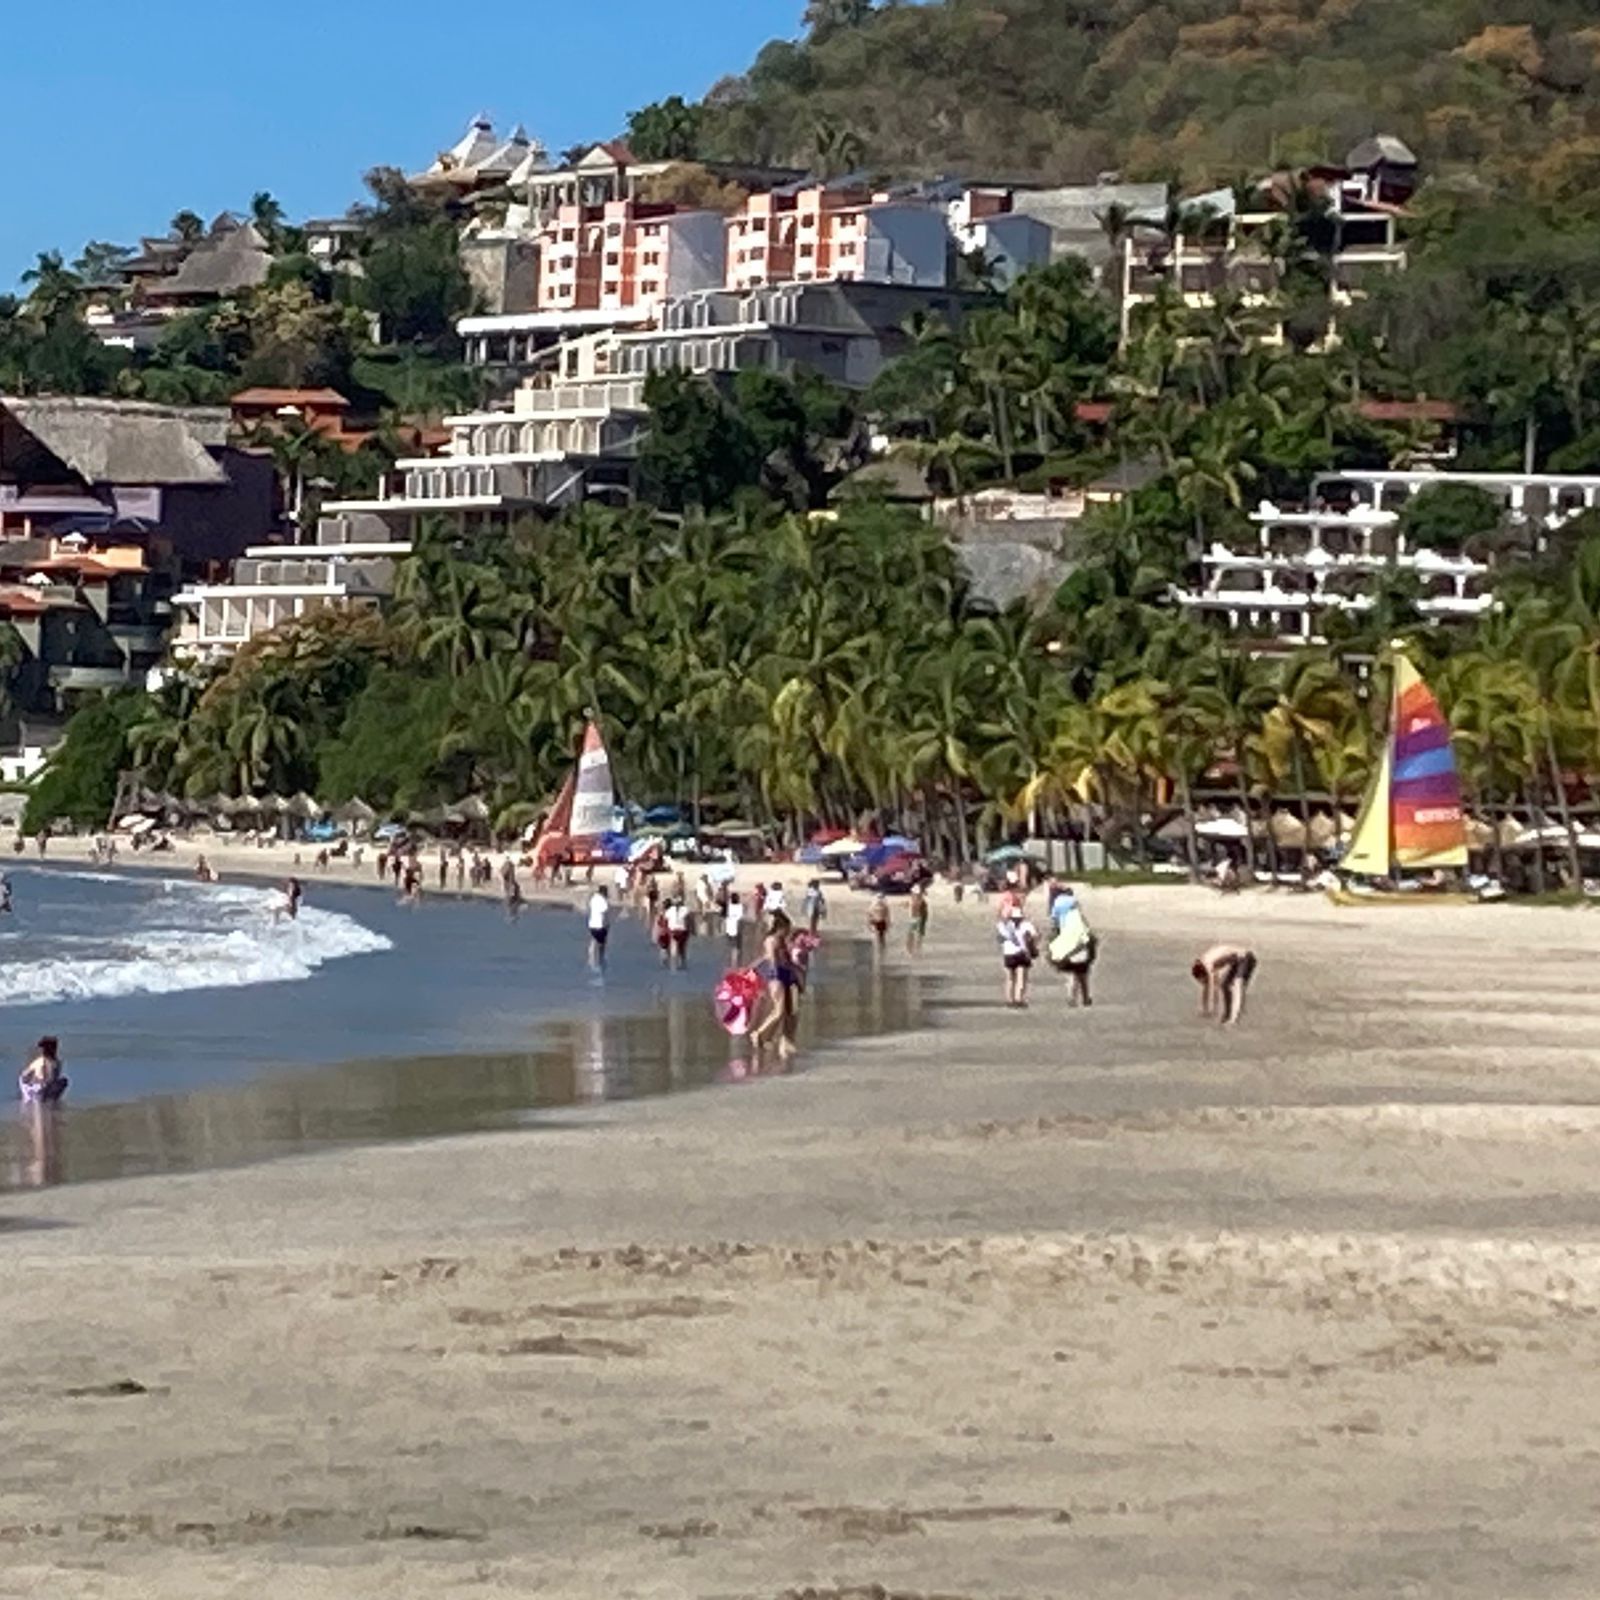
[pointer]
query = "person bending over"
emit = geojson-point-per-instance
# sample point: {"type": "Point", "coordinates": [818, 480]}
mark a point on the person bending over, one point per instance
{"type": "Point", "coordinates": [1224, 973]}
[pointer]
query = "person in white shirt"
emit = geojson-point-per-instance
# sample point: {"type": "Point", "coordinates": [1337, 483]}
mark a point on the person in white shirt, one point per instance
{"type": "Point", "coordinates": [599, 928]}
{"type": "Point", "coordinates": [733, 928]}
{"type": "Point", "coordinates": [1019, 942]}
{"type": "Point", "coordinates": [773, 901]}
{"type": "Point", "coordinates": [677, 918]}
{"type": "Point", "coordinates": [619, 882]}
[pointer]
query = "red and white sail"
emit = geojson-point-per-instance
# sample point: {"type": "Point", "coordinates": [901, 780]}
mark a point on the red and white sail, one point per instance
{"type": "Point", "coordinates": [584, 808]}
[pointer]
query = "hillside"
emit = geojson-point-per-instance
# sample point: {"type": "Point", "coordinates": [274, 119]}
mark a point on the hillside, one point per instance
{"type": "Point", "coordinates": [1199, 89]}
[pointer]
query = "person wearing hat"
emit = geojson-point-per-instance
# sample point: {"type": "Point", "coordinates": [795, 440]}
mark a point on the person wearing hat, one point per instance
{"type": "Point", "coordinates": [1019, 943]}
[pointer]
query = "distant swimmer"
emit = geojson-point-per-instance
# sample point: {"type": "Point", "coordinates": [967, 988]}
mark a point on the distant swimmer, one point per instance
{"type": "Point", "coordinates": [42, 1082]}
{"type": "Point", "coordinates": [1224, 973]}
{"type": "Point", "coordinates": [293, 894]}
{"type": "Point", "coordinates": [5, 893]}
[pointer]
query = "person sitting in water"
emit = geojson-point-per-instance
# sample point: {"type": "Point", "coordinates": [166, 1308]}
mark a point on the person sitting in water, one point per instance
{"type": "Point", "coordinates": [42, 1080]}
{"type": "Point", "coordinates": [1223, 973]}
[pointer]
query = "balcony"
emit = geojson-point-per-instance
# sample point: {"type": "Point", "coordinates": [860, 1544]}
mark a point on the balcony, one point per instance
{"type": "Point", "coordinates": [139, 638]}
{"type": "Point", "coordinates": [73, 677]}
{"type": "Point", "coordinates": [618, 394]}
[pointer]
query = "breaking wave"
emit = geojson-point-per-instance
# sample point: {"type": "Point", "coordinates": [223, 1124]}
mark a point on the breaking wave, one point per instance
{"type": "Point", "coordinates": [180, 937]}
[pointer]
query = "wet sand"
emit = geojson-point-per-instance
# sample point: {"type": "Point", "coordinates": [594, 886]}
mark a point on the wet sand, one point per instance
{"type": "Point", "coordinates": [1027, 1304]}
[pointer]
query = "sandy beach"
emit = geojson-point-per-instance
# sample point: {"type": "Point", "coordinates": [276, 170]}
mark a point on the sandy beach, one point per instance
{"type": "Point", "coordinates": [1104, 1302]}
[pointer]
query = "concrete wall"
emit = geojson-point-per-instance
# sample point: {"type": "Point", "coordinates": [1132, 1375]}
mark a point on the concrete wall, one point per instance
{"type": "Point", "coordinates": [697, 254]}
{"type": "Point", "coordinates": [504, 274]}
{"type": "Point", "coordinates": [1013, 245]}
{"type": "Point", "coordinates": [906, 245]}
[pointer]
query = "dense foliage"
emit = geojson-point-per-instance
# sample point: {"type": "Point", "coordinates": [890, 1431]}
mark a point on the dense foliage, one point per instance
{"type": "Point", "coordinates": [380, 328]}
{"type": "Point", "coordinates": [1204, 90]}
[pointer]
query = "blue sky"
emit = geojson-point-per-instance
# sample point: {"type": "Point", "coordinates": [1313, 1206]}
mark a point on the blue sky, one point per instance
{"type": "Point", "coordinates": [119, 114]}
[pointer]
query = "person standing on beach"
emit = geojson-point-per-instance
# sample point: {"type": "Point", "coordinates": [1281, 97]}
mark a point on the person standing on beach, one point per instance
{"type": "Point", "coordinates": [677, 915]}
{"type": "Point", "coordinates": [878, 922]}
{"type": "Point", "coordinates": [733, 929]}
{"type": "Point", "coordinates": [461, 870]}
{"type": "Point", "coordinates": [917, 928]}
{"type": "Point", "coordinates": [815, 905]}
{"type": "Point", "coordinates": [783, 979]}
{"type": "Point", "coordinates": [42, 1080]}
{"type": "Point", "coordinates": [599, 928]}
{"type": "Point", "coordinates": [1073, 944]}
{"type": "Point", "coordinates": [1223, 973]}
{"type": "Point", "coordinates": [1019, 942]}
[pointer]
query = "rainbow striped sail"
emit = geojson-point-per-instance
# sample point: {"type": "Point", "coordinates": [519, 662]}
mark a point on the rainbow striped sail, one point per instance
{"type": "Point", "coordinates": [1412, 814]}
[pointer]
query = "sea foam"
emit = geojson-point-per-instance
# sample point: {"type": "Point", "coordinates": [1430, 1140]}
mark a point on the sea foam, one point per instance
{"type": "Point", "coordinates": [194, 937]}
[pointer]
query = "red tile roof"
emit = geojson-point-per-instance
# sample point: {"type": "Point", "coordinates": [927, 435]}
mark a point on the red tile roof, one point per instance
{"type": "Point", "coordinates": [1423, 410]}
{"type": "Point", "coordinates": [328, 399]}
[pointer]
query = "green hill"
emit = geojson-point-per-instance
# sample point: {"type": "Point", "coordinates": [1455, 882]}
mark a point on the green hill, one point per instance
{"type": "Point", "coordinates": [1202, 90]}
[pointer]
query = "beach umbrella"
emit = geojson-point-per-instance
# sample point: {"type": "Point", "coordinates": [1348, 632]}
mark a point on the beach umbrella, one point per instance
{"type": "Point", "coordinates": [271, 804]}
{"type": "Point", "coordinates": [848, 846]}
{"type": "Point", "coordinates": [1323, 831]}
{"type": "Point", "coordinates": [303, 807]}
{"type": "Point", "coordinates": [735, 830]}
{"type": "Point", "coordinates": [474, 809]}
{"type": "Point", "coordinates": [642, 847]}
{"type": "Point", "coordinates": [1005, 855]}
{"type": "Point", "coordinates": [1288, 831]}
{"type": "Point", "coordinates": [662, 815]}
{"type": "Point", "coordinates": [356, 810]}
{"type": "Point", "coordinates": [245, 806]}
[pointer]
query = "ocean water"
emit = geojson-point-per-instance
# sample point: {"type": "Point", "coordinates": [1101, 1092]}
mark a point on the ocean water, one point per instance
{"type": "Point", "coordinates": [199, 1030]}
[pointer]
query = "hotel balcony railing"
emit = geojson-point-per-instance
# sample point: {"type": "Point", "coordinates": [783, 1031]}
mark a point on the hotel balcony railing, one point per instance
{"type": "Point", "coordinates": [607, 394]}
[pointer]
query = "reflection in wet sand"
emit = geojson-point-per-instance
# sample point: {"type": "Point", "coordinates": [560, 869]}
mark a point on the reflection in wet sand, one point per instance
{"type": "Point", "coordinates": [279, 1113]}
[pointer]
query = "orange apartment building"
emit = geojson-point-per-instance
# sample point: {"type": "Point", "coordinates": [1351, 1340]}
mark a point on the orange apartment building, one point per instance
{"type": "Point", "coordinates": [836, 232]}
{"type": "Point", "coordinates": [628, 255]}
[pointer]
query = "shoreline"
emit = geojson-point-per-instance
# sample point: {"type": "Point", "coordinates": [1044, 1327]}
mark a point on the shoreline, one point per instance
{"type": "Point", "coordinates": [644, 1033]}
{"type": "Point", "coordinates": [1306, 1307]}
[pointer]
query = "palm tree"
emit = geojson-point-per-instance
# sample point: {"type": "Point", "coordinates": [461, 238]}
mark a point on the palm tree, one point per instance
{"type": "Point", "coordinates": [1312, 696]}
{"type": "Point", "coordinates": [990, 350]}
{"type": "Point", "coordinates": [1233, 699]}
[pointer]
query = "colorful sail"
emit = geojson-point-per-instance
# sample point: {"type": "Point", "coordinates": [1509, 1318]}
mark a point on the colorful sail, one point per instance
{"type": "Point", "coordinates": [1369, 852]}
{"type": "Point", "coordinates": [585, 806]}
{"type": "Point", "coordinates": [1428, 827]}
{"type": "Point", "coordinates": [1411, 817]}
{"type": "Point", "coordinates": [594, 801]}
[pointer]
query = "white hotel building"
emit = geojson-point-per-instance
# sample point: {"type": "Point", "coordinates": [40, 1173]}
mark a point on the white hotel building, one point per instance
{"type": "Point", "coordinates": [559, 443]}
{"type": "Point", "coordinates": [1300, 565]}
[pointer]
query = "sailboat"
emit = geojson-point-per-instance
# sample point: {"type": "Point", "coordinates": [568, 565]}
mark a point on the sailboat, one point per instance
{"type": "Point", "coordinates": [1411, 819]}
{"type": "Point", "coordinates": [584, 808]}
